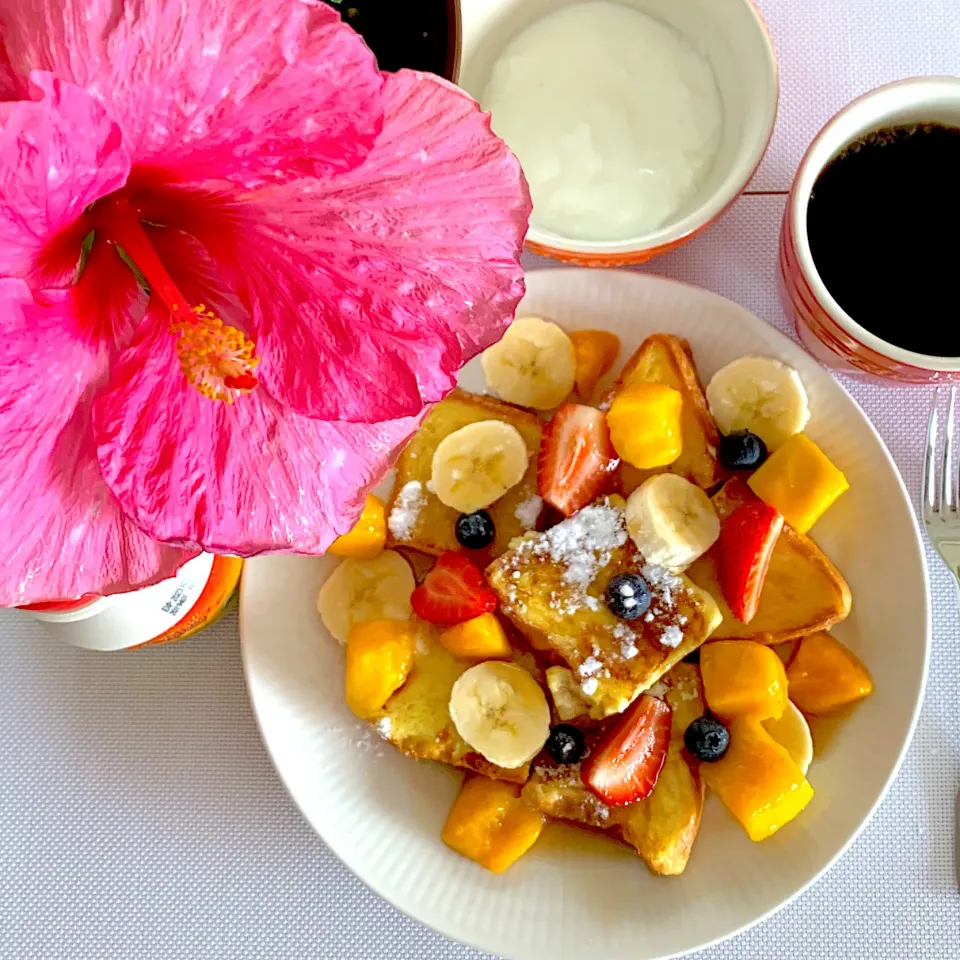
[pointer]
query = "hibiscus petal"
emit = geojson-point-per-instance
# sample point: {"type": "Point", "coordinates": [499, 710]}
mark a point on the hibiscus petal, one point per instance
{"type": "Point", "coordinates": [247, 477]}
{"type": "Point", "coordinates": [10, 86]}
{"type": "Point", "coordinates": [57, 155]}
{"type": "Point", "coordinates": [227, 89]}
{"type": "Point", "coordinates": [64, 532]}
{"type": "Point", "coordinates": [387, 279]}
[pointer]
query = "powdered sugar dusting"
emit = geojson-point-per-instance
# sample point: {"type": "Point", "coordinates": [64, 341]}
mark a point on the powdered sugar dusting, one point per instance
{"type": "Point", "coordinates": [566, 774]}
{"type": "Point", "coordinates": [580, 546]}
{"type": "Point", "coordinates": [664, 588]}
{"type": "Point", "coordinates": [406, 511]}
{"type": "Point", "coordinates": [528, 512]}
{"type": "Point", "coordinates": [567, 777]}
{"type": "Point", "coordinates": [383, 726]}
{"type": "Point", "coordinates": [663, 581]}
{"type": "Point", "coordinates": [686, 692]}
{"type": "Point", "coordinates": [672, 636]}
{"type": "Point", "coordinates": [589, 686]}
{"type": "Point", "coordinates": [583, 544]}
{"type": "Point", "coordinates": [590, 667]}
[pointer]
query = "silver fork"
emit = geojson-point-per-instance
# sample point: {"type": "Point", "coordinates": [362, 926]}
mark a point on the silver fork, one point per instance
{"type": "Point", "coordinates": [941, 514]}
{"type": "Point", "coordinates": [941, 501]}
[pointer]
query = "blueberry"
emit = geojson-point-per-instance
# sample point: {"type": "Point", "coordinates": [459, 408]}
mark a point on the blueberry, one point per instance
{"type": "Point", "coordinates": [742, 450]}
{"type": "Point", "coordinates": [565, 744]}
{"type": "Point", "coordinates": [628, 596]}
{"type": "Point", "coordinates": [707, 739]}
{"type": "Point", "coordinates": [475, 530]}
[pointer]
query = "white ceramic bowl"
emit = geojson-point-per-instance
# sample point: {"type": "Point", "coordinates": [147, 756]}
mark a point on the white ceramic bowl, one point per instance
{"type": "Point", "coordinates": [576, 896]}
{"type": "Point", "coordinates": [730, 34]}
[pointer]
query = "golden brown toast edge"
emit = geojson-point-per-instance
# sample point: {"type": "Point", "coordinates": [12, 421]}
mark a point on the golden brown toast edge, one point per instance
{"type": "Point", "coordinates": [441, 535]}
{"type": "Point", "coordinates": [662, 828]}
{"type": "Point", "coordinates": [426, 694]}
{"type": "Point", "coordinates": [698, 461]}
{"type": "Point", "coordinates": [524, 579]}
{"type": "Point", "coordinates": [792, 549]}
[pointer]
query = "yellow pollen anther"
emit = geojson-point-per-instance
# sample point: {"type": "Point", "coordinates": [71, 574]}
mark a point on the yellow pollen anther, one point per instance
{"type": "Point", "coordinates": [215, 357]}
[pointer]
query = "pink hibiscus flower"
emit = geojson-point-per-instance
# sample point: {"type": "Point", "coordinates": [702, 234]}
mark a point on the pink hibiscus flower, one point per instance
{"type": "Point", "coordinates": [236, 264]}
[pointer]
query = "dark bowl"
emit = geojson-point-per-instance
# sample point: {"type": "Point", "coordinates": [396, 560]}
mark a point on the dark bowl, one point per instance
{"type": "Point", "coordinates": [416, 34]}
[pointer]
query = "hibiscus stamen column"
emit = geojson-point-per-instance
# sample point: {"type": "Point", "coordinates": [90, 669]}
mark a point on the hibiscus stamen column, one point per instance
{"type": "Point", "coordinates": [215, 357]}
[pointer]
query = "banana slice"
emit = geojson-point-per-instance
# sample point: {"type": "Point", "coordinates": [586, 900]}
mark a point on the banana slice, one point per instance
{"type": "Point", "coordinates": [761, 395]}
{"type": "Point", "coordinates": [672, 521]}
{"type": "Point", "coordinates": [534, 365]}
{"type": "Point", "coordinates": [478, 464]}
{"type": "Point", "coordinates": [793, 732]}
{"type": "Point", "coordinates": [501, 712]}
{"type": "Point", "coordinates": [358, 590]}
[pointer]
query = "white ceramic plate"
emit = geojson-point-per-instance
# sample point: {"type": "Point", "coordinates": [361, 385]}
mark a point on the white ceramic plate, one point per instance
{"type": "Point", "coordinates": [576, 895]}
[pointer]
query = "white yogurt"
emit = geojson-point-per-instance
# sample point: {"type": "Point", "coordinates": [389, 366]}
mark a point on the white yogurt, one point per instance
{"type": "Point", "coordinates": [614, 116]}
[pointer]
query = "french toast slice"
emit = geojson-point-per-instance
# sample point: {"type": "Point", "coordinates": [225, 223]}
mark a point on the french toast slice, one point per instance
{"type": "Point", "coordinates": [663, 358]}
{"type": "Point", "coordinates": [803, 591]}
{"type": "Point", "coordinates": [416, 719]}
{"type": "Point", "coordinates": [551, 586]}
{"type": "Point", "coordinates": [416, 518]}
{"type": "Point", "coordinates": [662, 827]}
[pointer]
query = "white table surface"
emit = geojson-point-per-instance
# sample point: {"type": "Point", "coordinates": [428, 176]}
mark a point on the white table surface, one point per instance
{"type": "Point", "coordinates": [140, 818]}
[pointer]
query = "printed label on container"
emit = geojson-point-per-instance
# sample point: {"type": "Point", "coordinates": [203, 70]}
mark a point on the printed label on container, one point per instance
{"type": "Point", "coordinates": [133, 619]}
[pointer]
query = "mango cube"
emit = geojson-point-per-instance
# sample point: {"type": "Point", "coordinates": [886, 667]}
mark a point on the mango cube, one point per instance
{"type": "Point", "coordinates": [368, 535]}
{"type": "Point", "coordinates": [379, 658]}
{"type": "Point", "coordinates": [595, 352]}
{"type": "Point", "coordinates": [742, 678]}
{"type": "Point", "coordinates": [757, 780]}
{"type": "Point", "coordinates": [824, 675]}
{"type": "Point", "coordinates": [799, 480]}
{"type": "Point", "coordinates": [644, 422]}
{"type": "Point", "coordinates": [490, 824]}
{"type": "Point", "coordinates": [481, 638]}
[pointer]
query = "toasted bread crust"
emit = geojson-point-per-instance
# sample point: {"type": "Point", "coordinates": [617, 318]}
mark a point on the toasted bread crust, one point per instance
{"type": "Point", "coordinates": [569, 620]}
{"type": "Point", "coordinates": [662, 828]}
{"type": "Point", "coordinates": [663, 358]}
{"type": "Point", "coordinates": [803, 592]}
{"type": "Point", "coordinates": [433, 530]}
{"type": "Point", "coordinates": [416, 719]}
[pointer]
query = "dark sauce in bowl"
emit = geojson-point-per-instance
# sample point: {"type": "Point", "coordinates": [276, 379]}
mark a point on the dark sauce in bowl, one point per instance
{"type": "Point", "coordinates": [883, 224]}
{"type": "Point", "coordinates": [416, 34]}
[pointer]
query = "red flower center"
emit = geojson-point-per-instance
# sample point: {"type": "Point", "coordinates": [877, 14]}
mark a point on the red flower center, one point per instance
{"type": "Point", "coordinates": [214, 356]}
{"type": "Point", "coordinates": [217, 358]}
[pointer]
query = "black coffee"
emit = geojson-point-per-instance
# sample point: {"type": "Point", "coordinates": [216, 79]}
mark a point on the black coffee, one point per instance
{"type": "Point", "coordinates": [884, 229]}
{"type": "Point", "coordinates": [417, 34]}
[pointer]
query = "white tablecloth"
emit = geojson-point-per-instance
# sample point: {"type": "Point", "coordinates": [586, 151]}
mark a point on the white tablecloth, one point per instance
{"type": "Point", "coordinates": [140, 818]}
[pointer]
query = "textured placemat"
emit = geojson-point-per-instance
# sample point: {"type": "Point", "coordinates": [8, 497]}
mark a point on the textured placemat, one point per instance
{"type": "Point", "coordinates": [831, 51]}
{"type": "Point", "coordinates": [140, 818]}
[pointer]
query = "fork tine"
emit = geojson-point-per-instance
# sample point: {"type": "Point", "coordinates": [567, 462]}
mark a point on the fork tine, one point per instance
{"type": "Point", "coordinates": [928, 483]}
{"type": "Point", "coordinates": [946, 481]}
{"type": "Point", "coordinates": [956, 476]}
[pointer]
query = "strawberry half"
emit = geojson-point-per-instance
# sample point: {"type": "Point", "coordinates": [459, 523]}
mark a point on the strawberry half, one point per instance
{"type": "Point", "coordinates": [576, 457]}
{"type": "Point", "coordinates": [452, 592]}
{"type": "Point", "coordinates": [746, 543]}
{"type": "Point", "coordinates": [625, 765]}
